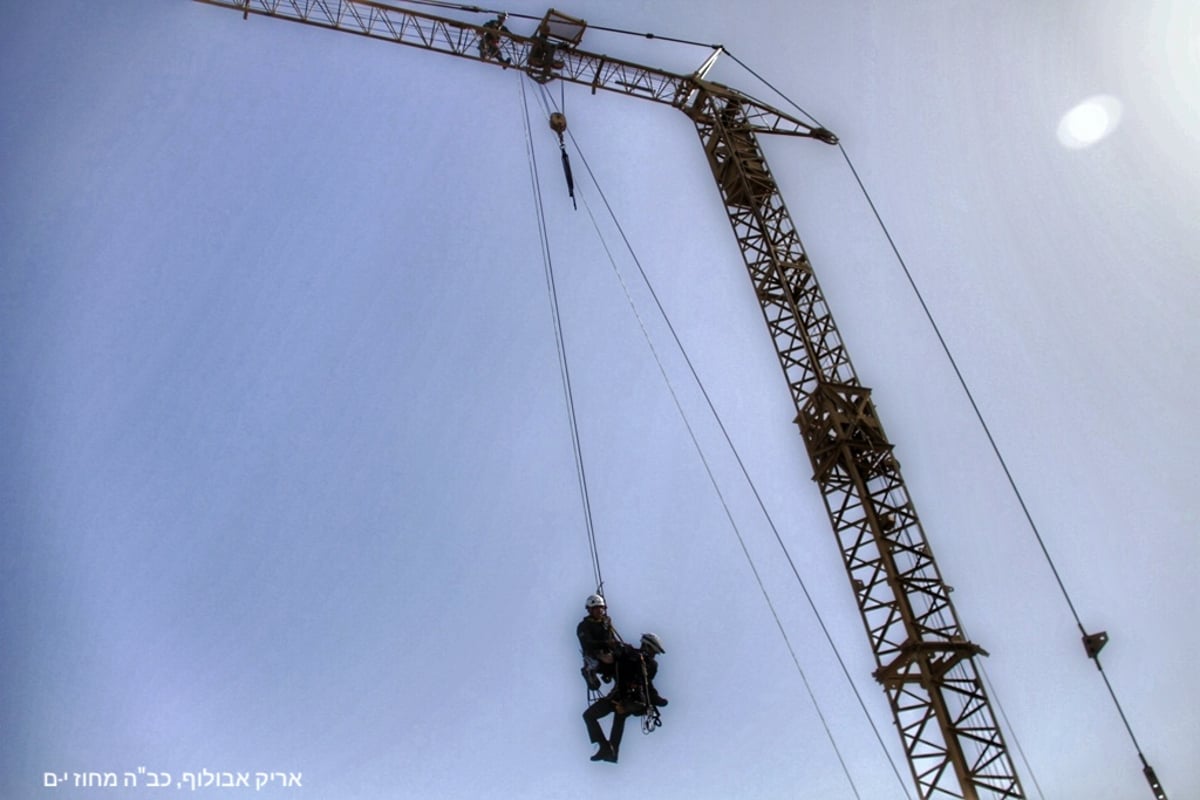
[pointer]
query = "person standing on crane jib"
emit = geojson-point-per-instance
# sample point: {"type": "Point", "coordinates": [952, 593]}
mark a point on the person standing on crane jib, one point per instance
{"type": "Point", "coordinates": [489, 43]}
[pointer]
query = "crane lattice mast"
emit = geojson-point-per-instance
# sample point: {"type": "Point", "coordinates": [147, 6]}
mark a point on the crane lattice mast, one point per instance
{"type": "Point", "coordinates": [925, 663]}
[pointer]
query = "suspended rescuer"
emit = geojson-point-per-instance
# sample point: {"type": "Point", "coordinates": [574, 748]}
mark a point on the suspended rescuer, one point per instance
{"type": "Point", "coordinates": [597, 641]}
{"type": "Point", "coordinates": [634, 694]}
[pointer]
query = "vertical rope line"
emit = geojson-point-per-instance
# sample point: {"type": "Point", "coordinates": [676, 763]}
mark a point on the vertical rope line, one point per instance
{"type": "Point", "coordinates": [560, 343]}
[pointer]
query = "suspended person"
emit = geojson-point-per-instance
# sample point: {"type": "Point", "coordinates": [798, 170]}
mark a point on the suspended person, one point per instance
{"type": "Point", "coordinates": [597, 642]}
{"type": "Point", "coordinates": [634, 694]}
{"type": "Point", "coordinates": [489, 41]}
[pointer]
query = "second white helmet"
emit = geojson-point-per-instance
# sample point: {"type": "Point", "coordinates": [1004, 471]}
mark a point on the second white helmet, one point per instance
{"type": "Point", "coordinates": [596, 601]}
{"type": "Point", "coordinates": [652, 642]}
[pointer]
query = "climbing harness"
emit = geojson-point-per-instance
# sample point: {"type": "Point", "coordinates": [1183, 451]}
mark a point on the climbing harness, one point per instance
{"type": "Point", "coordinates": [652, 719]}
{"type": "Point", "coordinates": [641, 705]}
{"type": "Point", "coordinates": [594, 694]}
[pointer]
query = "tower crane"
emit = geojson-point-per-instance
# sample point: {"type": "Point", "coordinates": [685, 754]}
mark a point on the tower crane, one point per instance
{"type": "Point", "coordinates": [925, 663]}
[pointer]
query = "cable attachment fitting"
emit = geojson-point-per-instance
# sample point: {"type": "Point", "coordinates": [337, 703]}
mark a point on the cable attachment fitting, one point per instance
{"type": "Point", "coordinates": [1159, 792]}
{"type": "Point", "coordinates": [1093, 643]}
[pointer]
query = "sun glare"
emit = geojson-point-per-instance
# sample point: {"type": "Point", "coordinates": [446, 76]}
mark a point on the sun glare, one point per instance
{"type": "Point", "coordinates": [1089, 122]}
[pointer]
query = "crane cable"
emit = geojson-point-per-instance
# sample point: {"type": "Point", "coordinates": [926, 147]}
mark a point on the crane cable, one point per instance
{"type": "Point", "coordinates": [560, 344]}
{"type": "Point", "coordinates": [1147, 770]}
{"type": "Point", "coordinates": [515, 15]}
{"type": "Point", "coordinates": [547, 103]}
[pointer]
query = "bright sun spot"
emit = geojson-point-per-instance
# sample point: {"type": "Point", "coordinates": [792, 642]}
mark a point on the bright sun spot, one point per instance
{"type": "Point", "coordinates": [1089, 122]}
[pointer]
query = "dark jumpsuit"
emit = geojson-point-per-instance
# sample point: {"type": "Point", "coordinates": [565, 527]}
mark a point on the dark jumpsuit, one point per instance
{"type": "Point", "coordinates": [627, 697]}
{"type": "Point", "coordinates": [489, 43]}
{"type": "Point", "coordinates": [596, 638]}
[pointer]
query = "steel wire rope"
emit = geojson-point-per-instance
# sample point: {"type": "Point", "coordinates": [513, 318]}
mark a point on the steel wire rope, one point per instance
{"type": "Point", "coordinates": [560, 344]}
{"type": "Point", "coordinates": [1147, 770]}
{"type": "Point", "coordinates": [983, 674]}
{"type": "Point", "coordinates": [547, 102]}
{"type": "Point", "coordinates": [1004, 468]}
{"type": "Point", "coordinates": [481, 10]}
{"type": "Point", "coordinates": [466, 8]}
{"type": "Point", "coordinates": [454, 6]}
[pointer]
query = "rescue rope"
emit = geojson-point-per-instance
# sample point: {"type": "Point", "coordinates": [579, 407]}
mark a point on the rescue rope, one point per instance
{"type": "Point", "coordinates": [560, 343]}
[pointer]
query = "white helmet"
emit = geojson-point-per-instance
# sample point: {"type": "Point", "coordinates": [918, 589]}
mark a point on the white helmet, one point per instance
{"type": "Point", "coordinates": [652, 642]}
{"type": "Point", "coordinates": [596, 601]}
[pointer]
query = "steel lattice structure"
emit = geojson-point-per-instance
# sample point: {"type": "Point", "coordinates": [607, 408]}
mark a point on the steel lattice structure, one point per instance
{"type": "Point", "coordinates": [924, 661]}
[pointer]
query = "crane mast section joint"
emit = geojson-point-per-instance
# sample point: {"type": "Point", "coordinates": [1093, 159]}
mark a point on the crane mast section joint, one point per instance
{"type": "Point", "coordinates": [901, 592]}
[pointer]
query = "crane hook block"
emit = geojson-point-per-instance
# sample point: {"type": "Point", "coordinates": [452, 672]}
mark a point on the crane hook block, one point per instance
{"type": "Point", "coordinates": [558, 123]}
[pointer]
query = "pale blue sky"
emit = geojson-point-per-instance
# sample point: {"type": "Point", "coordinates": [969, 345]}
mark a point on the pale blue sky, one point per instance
{"type": "Point", "coordinates": [287, 482]}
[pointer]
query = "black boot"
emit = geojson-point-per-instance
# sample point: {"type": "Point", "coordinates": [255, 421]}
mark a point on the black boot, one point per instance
{"type": "Point", "coordinates": [605, 753]}
{"type": "Point", "coordinates": [593, 682]}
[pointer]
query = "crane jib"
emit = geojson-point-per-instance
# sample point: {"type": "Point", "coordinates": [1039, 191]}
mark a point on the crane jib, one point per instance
{"type": "Point", "coordinates": [453, 37]}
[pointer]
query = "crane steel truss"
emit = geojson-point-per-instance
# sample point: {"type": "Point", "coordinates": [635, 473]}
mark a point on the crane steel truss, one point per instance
{"type": "Point", "coordinates": [924, 661]}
